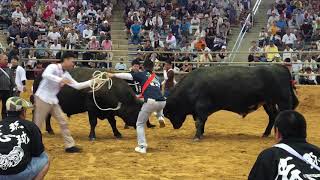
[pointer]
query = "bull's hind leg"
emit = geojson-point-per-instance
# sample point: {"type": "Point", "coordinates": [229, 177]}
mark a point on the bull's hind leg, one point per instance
{"type": "Point", "coordinates": [272, 112]}
{"type": "Point", "coordinates": [48, 125]}
{"type": "Point", "coordinates": [113, 124]}
{"type": "Point", "coordinates": [93, 124]}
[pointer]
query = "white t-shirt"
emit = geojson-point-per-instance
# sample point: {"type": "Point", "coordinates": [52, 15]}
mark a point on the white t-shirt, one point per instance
{"type": "Point", "coordinates": [50, 84]}
{"type": "Point", "coordinates": [289, 39]}
{"type": "Point", "coordinates": [54, 35]}
{"type": "Point", "coordinates": [20, 76]}
{"type": "Point", "coordinates": [120, 66]}
{"type": "Point", "coordinates": [73, 38]}
{"type": "Point", "coordinates": [287, 54]}
{"type": "Point", "coordinates": [55, 49]}
{"type": "Point", "coordinates": [296, 67]}
{"type": "Point", "coordinates": [16, 15]}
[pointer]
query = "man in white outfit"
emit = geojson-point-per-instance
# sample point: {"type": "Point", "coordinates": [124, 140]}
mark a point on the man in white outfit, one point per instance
{"type": "Point", "coordinates": [20, 76]}
{"type": "Point", "coordinates": [55, 76]}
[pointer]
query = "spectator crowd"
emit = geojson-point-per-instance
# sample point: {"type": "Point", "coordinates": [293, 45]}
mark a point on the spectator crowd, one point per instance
{"type": "Point", "coordinates": [291, 34]}
{"type": "Point", "coordinates": [51, 25]}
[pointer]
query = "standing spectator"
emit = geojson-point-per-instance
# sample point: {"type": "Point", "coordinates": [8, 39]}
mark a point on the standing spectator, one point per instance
{"type": "Point", "coordinates": [135, 30]}
{"type": "Point", "coordinates": [195, 23]}
{"type": "Point", "coordinates": [289, 39]}
{"type": "Point", "coordinates": [281, 161]}
{"type": "Point", "coordinates": [19, 75]}
{"type": "Point", "coordinates": [6, 83]}
{"type": "Point", "coordinates": [23, 153]}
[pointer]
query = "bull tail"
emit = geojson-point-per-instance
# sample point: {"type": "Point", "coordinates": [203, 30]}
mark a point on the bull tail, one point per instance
{"type": "Point", "coordinates": [295, 101]}
{"type": "Point", "coordinates": [294, 98]}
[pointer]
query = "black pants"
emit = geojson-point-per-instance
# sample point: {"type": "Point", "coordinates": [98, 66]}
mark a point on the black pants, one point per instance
{"type": "Point", "coordinates": [4, 96]}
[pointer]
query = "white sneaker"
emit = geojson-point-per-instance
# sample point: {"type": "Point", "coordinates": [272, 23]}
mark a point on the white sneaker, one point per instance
{"type": "Point", "coordinates": [141, 149]}
{"type": "Point", "coordinates": [161, 122]}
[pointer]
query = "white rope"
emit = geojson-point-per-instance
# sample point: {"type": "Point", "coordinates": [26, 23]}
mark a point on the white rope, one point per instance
{"type": "Point", "coordinates": [99, 80]}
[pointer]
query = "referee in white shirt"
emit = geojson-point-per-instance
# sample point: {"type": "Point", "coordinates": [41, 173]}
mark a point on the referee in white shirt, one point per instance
{"type": "Point", "coordinates": [55, 76]}
{"type": "Point", "coordinates": [19, 75]}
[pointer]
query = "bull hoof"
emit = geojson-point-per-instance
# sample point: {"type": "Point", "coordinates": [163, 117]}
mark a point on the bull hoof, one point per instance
{"type": "Point", "coordinates": [196, 139]}
{"type": "Point", "coordinates": [265, 135]}
{"type": "Point", "coordinates": [151, 126]}
{"type": "Point", "coordinates": [92, 138]}
{"type": "Point", "coordinates": [118, 136]}
{"type": "Point", "coordinates": [50, 132]}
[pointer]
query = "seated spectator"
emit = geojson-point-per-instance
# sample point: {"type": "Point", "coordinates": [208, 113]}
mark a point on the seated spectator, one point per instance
{"type": "Point", "coordinates": [41, 51]}
{"type": "Point", "coordinates": [87, 33]}
{"type": "Point", "coordinates": [306, 30]}
{"type": "Point", "coordinates": [135, 30]}
{"type": "Point", "coordinates": [204, 58]}
{"type": "Point", "coordinates": [176, 31]}
{"type": "Point", "coordinates": [171, 40]}
{"type": "Point", "coordinates": [120, 66]}
{"type": "Point", "coordinates": [93, 44]}
{"type": "Point", "coordinates": [54, 35]}
{"type": "Point", "coordinates": [105, 27]}
{"type": "Point", "coordinates": [296, 67]}
{"type": "Point", "coordinates": [157, 43]}
{"type": "Point", "coordinates": [200, 33]}
{"type": "Point", "coordinates": [24, 147]}
{"type": "Point", "coordinates": [5, 15]}
{"type": "Point", "coordinates": [310, 62]}
{"type": "Point", "coordinates": [287, 52]}
{"type": "Point", "coordinates": [55, 48]}
{"type": "Point", "coordinates": [72, 39]}
{"type": "Point", "coordinates": [148, 25]}
{"type": "Point", "coordinates": [308, 77]}
{"type": "Point", "coordinates": [81, 27]}
{"type": "Point", "coordinates": [147, 46]}
{"type": "Point", "coordinates": [263, 37]}
{"type": "Point", "coordinates": [17, 14]}
{"type": "Point", "coordinates": [80, 15]}
{"type": "Point", "coordinates": [254, 52]}
{"type": "Point", "coordinates": [65, 20]}
{"type": "Point", "coordinates": [157, 22]}
{"type": "Point", "coordinates": [289, 39]}
{"type": "Point", "coordinates": [91, 12]}
{"type": "Point", "coordinates": [221, 56]}
{"type": "Point", "coordinates": [271, 51]}
{"type": "Point", "coordinates": [281, 161]}
{"type": "Point", "coordinates": [13, 30]}
{"type": "Point", "coordinates": [272, 19]}
{"type": "Point", "coordinates": [185, 28]}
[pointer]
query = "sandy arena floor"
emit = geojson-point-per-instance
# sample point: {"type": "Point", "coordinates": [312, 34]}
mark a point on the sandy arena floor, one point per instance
{"type": "Point", "coordinates": [228, 151]}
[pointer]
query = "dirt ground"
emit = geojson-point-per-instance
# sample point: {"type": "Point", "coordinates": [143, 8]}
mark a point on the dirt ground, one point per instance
{"type": "Point", "coordinates": [228, 151]}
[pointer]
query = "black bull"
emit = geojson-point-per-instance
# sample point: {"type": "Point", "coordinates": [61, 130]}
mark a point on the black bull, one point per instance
{"type": "Point", "coordinates": [74, 101]}
{"type": "Point", "coordinates": [233, 88]}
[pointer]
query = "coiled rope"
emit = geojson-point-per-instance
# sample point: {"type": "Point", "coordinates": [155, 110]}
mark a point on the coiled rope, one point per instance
{"type": "Point", "coordinates": [99, 80]}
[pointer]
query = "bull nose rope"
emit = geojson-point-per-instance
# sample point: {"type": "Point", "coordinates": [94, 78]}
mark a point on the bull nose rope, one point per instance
{"type": "Point", "coordinates": [99, 80]}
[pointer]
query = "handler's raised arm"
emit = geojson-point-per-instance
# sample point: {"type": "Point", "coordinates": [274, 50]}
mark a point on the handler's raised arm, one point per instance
{"type": "Point", "coordinates": [76, 85]}
{"type": "Point", "coordinates": [126, 76]}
